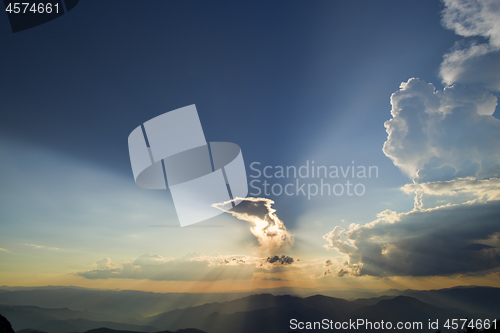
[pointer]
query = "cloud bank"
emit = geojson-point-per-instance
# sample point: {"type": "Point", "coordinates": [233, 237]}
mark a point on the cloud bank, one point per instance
{"type": "Point", "coordinates": [192, 267]}
{"type": "Point", "coordinates": [458, 239]}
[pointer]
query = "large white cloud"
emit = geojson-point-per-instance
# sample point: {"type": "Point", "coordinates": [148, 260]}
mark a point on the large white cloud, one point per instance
{"type": "Point", "coordinates": [443, 135]}
{"type": "Point", "coordinates": [475, 62]}
{"type": "Point", "coordinates": [448, 143]}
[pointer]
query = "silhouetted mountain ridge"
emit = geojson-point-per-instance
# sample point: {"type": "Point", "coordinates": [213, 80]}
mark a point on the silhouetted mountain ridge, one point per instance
{"type": "Point", "coordinates": [267, 313]}
{"type": "Point", "coordinates": [5, 326]}
{"type": "Point", "coordinates": [61, 320]}
{"type": "Point", "coordinates": [262, 313]}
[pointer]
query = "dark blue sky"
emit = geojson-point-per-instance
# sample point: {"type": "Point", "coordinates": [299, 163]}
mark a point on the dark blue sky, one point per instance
{"type": "Point", "coordinates": [273, 77]}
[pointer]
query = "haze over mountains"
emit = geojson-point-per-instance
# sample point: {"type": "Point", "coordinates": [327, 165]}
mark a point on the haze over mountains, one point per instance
{"type": "Point", "coordinates": [61, 310]}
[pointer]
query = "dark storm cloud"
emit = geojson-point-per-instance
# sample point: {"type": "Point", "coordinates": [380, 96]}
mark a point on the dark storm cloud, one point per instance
{"type": "Point", "coordinates": [283, 260]}
{"type": "Point", "coordinates": [447, 240]}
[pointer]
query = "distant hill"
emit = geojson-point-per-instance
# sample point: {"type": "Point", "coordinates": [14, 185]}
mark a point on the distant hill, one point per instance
{"type": "Point", "coordinates": [336, 308]}
{"type": "Point", "coordinates": [57, 313]}
{"type": "Point", "coordinates": [61, 320]}
{"type": "Point", "coordinates": [472, 299]}
{"type": "Point", "coordinates": [130, 306]}
{"type": "Point", "coordinates": [30, 330]}
{"type": "Point", "coordinates": [124, 306]}
{"type": "Point", "coordinates": [409, 309]}
{"type": "Point", "coordinates": [107, 330]}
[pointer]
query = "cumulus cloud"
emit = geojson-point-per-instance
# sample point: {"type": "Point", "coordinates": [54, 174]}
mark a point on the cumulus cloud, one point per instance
{"type": "Point", "coordinates": [448, 143]}
{"type": "Point", "coordinates": [443, 135]}
{"type": "Point", "coordinates": [457, 239]}
{"type": "Point", "coordinates": [270, 231]}
{"type": "Point", "coordinates": [192, 267]}
{"type": "Point", "coordinates": [475, 62]}
{"type": "Point", "coordinates": [104, 264]}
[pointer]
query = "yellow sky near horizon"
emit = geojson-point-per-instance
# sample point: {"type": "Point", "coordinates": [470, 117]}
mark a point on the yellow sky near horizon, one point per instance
{"type": "Point", "coordinates": [12, 279]}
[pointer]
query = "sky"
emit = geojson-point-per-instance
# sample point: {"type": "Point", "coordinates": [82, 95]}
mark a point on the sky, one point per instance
{"type": "Point", "coordinates": [403, 93]}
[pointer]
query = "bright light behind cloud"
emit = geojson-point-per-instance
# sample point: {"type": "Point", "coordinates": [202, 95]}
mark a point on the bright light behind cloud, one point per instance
{"type": "Point", "coordinates": [270, 231]}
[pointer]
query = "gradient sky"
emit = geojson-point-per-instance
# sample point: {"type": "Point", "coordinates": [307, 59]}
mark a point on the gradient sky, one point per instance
{"type": "Point", "coordinates": [289, 82]}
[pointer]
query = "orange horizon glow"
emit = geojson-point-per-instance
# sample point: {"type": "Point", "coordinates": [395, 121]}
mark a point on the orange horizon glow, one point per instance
{"type": "Point", "coordinates": [255, 284]}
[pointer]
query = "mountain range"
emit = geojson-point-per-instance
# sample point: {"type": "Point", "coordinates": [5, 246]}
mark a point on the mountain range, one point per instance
{"type": "Point", "coordinates": [83, 310]}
